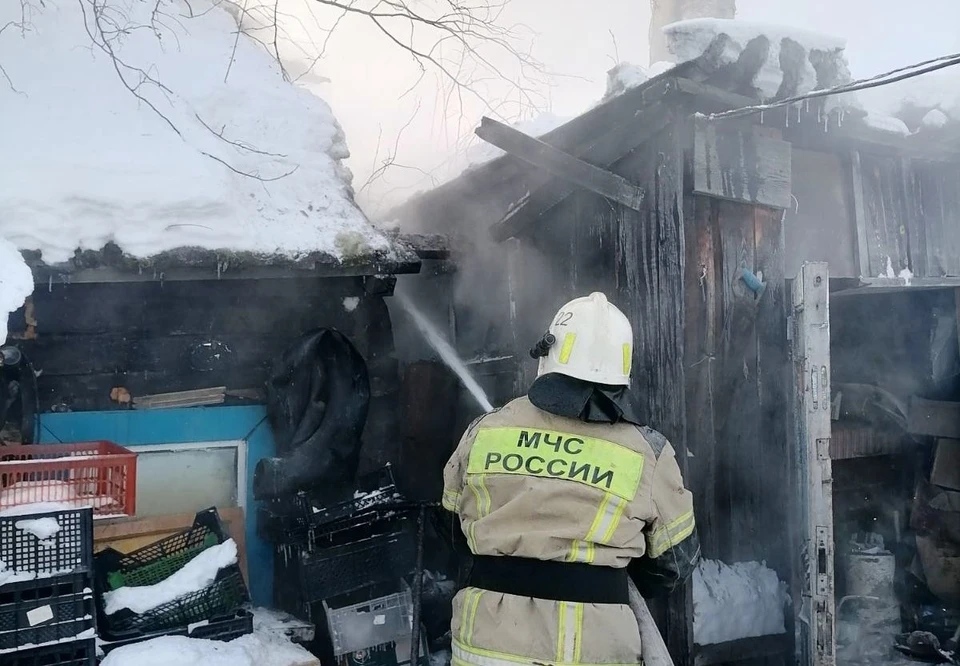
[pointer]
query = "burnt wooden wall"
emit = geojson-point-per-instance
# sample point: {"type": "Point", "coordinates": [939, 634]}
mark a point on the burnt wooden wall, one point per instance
{"type": "Point", "coordinates": [157, 337]}
{"type": "Point", "coordinates": [736, 378]}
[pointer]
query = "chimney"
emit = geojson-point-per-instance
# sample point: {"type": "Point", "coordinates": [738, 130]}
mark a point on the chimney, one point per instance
{"type": "Point", "coordinates": [665, 12]}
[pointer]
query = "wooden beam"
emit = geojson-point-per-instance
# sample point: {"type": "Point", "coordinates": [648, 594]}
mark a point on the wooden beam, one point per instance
{"type": "Point", "coordinates": [741, 164]}
{"type": "Point", "coordinates": [860, 215]}
{"type": "Point", "coordinates": [934, 418]}
{"type": "Point", "coordinates": [610, 148]}
{"type": "Point", "coordinates": [557, 162]}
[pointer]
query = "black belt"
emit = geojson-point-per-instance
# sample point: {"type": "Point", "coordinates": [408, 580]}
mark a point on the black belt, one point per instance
{"type": "Point", "coordinates": [556, 581]}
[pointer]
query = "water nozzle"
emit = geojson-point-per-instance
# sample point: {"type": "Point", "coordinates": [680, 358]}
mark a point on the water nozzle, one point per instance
{"type": "Point", "coordinates": [542, 348]}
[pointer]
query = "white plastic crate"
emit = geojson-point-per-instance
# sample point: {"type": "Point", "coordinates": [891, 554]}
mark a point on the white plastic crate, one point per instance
{"type": "Point", "coordinates": [370, 623]}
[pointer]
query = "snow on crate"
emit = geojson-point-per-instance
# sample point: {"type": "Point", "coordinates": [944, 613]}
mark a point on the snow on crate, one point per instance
{"type": "Point", "coordinates": [197, 574]}
{"type": "Point", "coordinates": [730, 602]}
{"type": "Point", "coordinates": [164, 134]}
{"type": "Point", "coordinates": [42, 528]}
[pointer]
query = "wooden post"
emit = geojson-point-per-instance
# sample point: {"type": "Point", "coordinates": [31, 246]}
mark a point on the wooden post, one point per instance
{"type": "Point", "coordinates": [812, 469]}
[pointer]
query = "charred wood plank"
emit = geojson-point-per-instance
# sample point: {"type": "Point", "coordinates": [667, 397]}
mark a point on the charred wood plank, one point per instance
{"type": "Point", "coordinates": [884, 207]}
{"type": "Point", "coordinates": [611, 147]}
{"type": "Point", "coordinates": [934, 418]}
{"type": "Point", "coordinates": [741, 164]}
{"type": "Point", "coordinates": [559, 163]}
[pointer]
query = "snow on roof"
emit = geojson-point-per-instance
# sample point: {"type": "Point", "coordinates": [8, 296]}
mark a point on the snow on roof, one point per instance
{"type": "Point", "coordinates": [231, 157]}
{"type": "Point", "coordinates": [624, 76]}
{"type": "Point", "coordinates": [689, 40]}
{"type": "Point", "coordinates": [927, 102]}
{"type": "Point", "coordinates": [16, 283]}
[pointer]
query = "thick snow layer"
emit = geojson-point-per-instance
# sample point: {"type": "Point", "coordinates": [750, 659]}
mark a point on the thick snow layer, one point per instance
{"type": "Point", "coordinates": [16, 280]}
{"type": "Point", "coordinates": [744, 600]}
{"type": "Point", "coordinates": [197, 574]}
{"type": "Point", "coordinates": [935, 119]}
{"type": "Point", "coordinates": [885, 123]}
{"type": "Point", "coordinates": [626, 76]}
{"type": "Point", "coordinates": [256, 649]}
{"type": "Point", "coordinates": [42, 528]}
{"type": "Point", "coordinates": [688, 40]}
{"type": "Point", "coordinates": [231, 157]}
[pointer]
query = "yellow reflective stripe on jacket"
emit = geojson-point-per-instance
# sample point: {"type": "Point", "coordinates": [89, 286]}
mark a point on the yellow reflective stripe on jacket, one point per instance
{"type": "Point", "coordinates": [473, 485]}
{"type": "Point", "coordinates": [466, 655]}
{"type": "Point", "coordinates": [549, 454]}
{"type": "Point", "coordinates": [469, 614]}
{"type": "Point", "coordinates": [451, 500]}
{"type": "Point", "coordinates": [607, 518]}
{"type": "Point", "coordinates": [667, 536]}
{"type": "Point", "coordinates": [582, 551]}
{"type": "Point", "coordinates": [569, 631]}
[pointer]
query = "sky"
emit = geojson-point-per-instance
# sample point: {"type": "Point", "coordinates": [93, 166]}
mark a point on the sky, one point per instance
{"type": "Point", "coordinates": [577, 41]}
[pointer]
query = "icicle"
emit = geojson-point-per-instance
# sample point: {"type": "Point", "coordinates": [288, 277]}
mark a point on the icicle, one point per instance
{"type": "Point", "coordinates": [806, 105]}
{"type": "Point", "coordinates": [819, 113]}
{"type": "Point", "coordinates": [761, 117]}
{"type": "Point", "coordinates": [787, 116]}
{"type": "Point", "coordinates": [50, 284]}
{"type": "Point", "coordinates": [840, 118]}
{"type": "Point", "coordinates": [218, 269]}
{"type": "Point", "coordinates": [799, 111]}
{"type": "Point", "coordinates": [826, 123]}
{"type": "Point", "coordinates": [162, 274]}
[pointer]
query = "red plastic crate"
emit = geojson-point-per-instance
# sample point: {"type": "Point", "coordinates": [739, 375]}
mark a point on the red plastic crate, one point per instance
{"type": "Point", "coordinates": [98, 474]}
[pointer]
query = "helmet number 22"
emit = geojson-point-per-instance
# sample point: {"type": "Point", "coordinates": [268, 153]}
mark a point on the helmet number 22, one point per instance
{"type": "Point", "coordinates": [563, 318]}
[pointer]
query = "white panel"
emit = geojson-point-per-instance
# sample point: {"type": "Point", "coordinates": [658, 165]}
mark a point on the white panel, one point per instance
{"type": "Point", "coordinates": [185, 479]}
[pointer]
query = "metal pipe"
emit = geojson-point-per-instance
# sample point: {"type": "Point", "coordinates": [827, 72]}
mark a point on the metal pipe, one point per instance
{"type": "Point", "coordinates": [654, 650]}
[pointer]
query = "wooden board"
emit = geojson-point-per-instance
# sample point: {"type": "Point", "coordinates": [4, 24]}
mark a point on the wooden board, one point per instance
{"type": "Point", "coordinates": [884, 201]}
{"type": "Point", "coordinates": [819, 224]}
{"type": "Point", "coordinates": [559, 163]}
{"type": "Point", "coordinates": [741, 164]}
{"type": "Point", "coordinates": [934, 418]}
{"type": "Point", "coordinates": [939, 199]}
{"type": "Point", "coordinates": [129, 534]}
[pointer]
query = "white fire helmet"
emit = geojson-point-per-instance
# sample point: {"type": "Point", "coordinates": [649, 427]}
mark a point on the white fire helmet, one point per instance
{"type": "Point", "coordinates": [594, 342]}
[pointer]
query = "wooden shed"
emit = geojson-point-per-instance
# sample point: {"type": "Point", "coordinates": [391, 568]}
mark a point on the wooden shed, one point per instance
{"type": "Point", "coordinates": [169, 355]}
{"type": "Point", "coordinates": [698, 228]}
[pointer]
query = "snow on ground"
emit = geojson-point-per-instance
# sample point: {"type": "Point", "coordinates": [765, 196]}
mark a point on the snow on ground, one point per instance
{"type": "Point", "coordinates": [16, 280]}
{"type": "Point", "coordinates": [688, 40]}
{"type": "Point", "coordinates": [257, 649]}
{"type": "Point", "coordinates": [230, 157]}
{"type": "Point", "coordinates": [744, 600]}
{"type": "Point", "coordinates": [197, 574]}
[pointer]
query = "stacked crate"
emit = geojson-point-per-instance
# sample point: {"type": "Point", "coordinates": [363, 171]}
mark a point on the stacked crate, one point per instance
{"type": "Point", "coordinates": [213, 613]}
{"type": "Point", "coordinates": [47, 612]}
{"type": "Point", "coordinates": [328, 547]}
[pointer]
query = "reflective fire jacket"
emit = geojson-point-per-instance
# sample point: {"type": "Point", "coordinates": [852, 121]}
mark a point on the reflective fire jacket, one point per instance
{"type": "Point", "coordinates": [529, 484]}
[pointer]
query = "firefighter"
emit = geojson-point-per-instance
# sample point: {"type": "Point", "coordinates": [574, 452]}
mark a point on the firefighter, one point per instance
{"type": "Point", "coordinates": [557, 493]}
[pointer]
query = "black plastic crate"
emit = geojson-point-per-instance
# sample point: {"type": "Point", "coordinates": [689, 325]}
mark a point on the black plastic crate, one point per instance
{"type": "Point", "coordinates": [74, 653]}
{"type": "Point", "coordinates": [70, 550]}
{"type": "Point", "coordinates": [46, 610]}
{"type": "Point", "coordinates": [224, 628]}
{"type": "Point", "coordinates": [153, 563]}
{"type": "Point", "coordinates": [328, 572]}
{"type": "Point", "coordinates": [306, 516]}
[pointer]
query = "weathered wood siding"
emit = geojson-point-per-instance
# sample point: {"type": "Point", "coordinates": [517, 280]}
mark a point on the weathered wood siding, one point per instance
{"type": "Point", "coordinates": [153, 337]}
{"type": "Point", "coordinates": [910, 217]}
{"type": "Point", "coordinates": [736, 365]}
